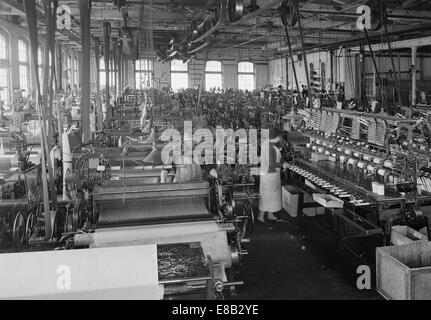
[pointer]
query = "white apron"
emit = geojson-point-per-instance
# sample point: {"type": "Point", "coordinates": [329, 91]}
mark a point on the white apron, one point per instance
{"type": "Point", "coordinates": [270, 187]}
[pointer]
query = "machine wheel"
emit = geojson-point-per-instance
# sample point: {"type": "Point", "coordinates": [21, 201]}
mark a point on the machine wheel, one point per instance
{"type": "Point", "coordinates": [30, 226]}
{"type": "Point", "coordinates": [18, 233]}
{"type": "Point", "coordinates": [76, 216]}
{"type": "Point", "coordinates": [248, 213]}
{"type": "Point", "coordinates": [229, 205]}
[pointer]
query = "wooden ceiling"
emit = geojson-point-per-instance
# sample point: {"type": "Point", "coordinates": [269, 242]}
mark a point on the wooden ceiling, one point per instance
{"type": "Point", "coordinates": [326, 23]}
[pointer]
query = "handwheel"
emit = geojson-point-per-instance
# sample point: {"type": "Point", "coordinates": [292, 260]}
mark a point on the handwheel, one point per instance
{"type": "Point", "coordinates": [248, 213]}
{"type": "Point", "coordinates": [30, 226]}
{"type": "Point", "coordinates": [18, 233]}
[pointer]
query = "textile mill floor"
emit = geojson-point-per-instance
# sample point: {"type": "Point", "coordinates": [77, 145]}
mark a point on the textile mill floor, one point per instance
{"type": "Point", "coordinates": [284, 263]}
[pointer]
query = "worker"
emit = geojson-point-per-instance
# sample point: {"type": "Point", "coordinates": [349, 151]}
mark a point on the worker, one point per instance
{"type": "Point", "coordinates": [270, 179]}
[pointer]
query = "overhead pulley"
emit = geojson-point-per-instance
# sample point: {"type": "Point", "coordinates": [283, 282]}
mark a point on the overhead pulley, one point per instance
{"type": "Point", "coordinates": [235, 10]}
{"type": "Point", "coordinates": [289, 13]}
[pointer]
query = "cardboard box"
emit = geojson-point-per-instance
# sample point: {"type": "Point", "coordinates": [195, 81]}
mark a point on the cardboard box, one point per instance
{"type": "Point", "coordinates": [290, 196]}
{"type": "Point", "coordinates": [328, 201]}
{"type": "Point", "coordinates": [290, 200]}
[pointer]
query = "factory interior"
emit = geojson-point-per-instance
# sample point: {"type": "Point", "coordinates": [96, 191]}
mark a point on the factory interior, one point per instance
{"type": "Point", "coordinates": [215, 149]}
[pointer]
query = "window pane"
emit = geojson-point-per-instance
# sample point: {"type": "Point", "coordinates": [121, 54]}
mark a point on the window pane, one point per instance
{"type": "Point", "coordinates": [143, 80]}
{"type": "Point", "coordinates": [4, 86]}
{"type": "Point", "coordinates": [3, 47]}
{"type": "Point", "coordinates": [179, 81]}
{"type": "Point", "coordinates": [69, 62]}
{"type": "Point", "coordinates": [213, 80]}
{"type": "Point", "coordinates": [22, 51]}
{"type": "Point", "coordinates": [144, 65]}
{"type": "Point", "coordinates": [213, 66]}
{"type": "Point", "coordinates": [23, 79]}
{"type": "Point", "coordinates": [102, 63]}
{"type": "Point", "coordinates": [40, 70]}
{"type": "Point", "coordinates": [245, 67]}
{"type": "Point", "coordinates": [39, 56]}
{"type": "Point", "coordinates": [246, 82]}
{"type": "Point", "coordinates": [75, 70]}
{"type": "Point", "coordinates": [178, 65]}
{"type": "Point", "coordinates": [102, 79]}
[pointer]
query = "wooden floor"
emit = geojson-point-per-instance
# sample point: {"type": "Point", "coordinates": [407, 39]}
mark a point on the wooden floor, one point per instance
{"type": "Point", "coordinates": [284, 262]}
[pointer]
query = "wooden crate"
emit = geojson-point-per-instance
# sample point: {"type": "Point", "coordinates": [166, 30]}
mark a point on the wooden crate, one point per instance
{"type": "Point", "coordinates": [401, 235]}
{"type": "Point", "coordinates": [404, 272]}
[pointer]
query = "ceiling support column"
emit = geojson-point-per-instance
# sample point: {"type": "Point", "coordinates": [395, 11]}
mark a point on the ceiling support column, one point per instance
{"type": "Point", "coordinates": [106, 45]}
{"type": "Point", "coordinates": [115, 65]}
{"type": "Point", "coordinates": [84, 9]}
{"type": "Point", "coordinates": [98, 105]}
{"type": "Point", "coordinates": [414, 74]}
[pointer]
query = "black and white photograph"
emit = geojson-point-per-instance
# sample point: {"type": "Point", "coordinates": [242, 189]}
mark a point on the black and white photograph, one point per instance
{"type": "Point", "coordinates": [215, 155]}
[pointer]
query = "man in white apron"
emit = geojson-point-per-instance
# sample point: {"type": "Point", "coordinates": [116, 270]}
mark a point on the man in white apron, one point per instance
{"type": "Point", "coordinates": [270, 179]}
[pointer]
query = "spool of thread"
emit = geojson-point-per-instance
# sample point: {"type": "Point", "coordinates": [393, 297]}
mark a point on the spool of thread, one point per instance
{"type": "Point", "coordinates": [388, 164]}
{"type": "Point", "coordinates": [381, 172]}
{"type": "Point", "coordinates": [361, 165]}
{"type": "Point", "coordinates": [370, 168]}
{"type": "Point", "coordinates": [352, 161]}
{"type": "Point", "coordinates": [377, 160]}
{"type": "Point", "coordinates": [378, 188]}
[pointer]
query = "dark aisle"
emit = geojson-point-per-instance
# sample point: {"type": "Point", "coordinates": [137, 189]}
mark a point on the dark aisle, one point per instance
{"type": "Point", "coordinates": [283, 264]}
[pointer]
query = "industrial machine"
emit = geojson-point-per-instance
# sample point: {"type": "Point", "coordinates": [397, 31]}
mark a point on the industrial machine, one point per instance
{"type": "Point", "coordinates": [372, 164]}
{"type": "Point", "coordinates": [112, 198]}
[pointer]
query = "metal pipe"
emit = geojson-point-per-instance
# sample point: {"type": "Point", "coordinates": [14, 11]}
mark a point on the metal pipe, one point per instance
{"type": "Point", "coordinates": [379, 80]}
{"type": "Point", "coordinates": [414, 76]}
{"type": "Point", "coordinates": [304, 53]}
{"type": "Point", "coordinates": [294, 69]}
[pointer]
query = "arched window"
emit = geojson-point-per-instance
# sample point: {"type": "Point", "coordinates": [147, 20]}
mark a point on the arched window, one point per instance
{"type": "Point", "coordinates": [75, 70]}
{"type": "Point", "coordinates": [102, 74]}
{"type": "Point", "coordinates": [246, 76]}
{"type": "Point", "coordinates": [4, 68]}
{"type": "Point", "coordinates": [40, 57]}
{"type": "Point", "coordinates": [179, 75]}
{"type": "Point", "coordinates": [213, 76]}
{"type": "Point", "coordinates": [23, 66]}
{"type": "Point", "coordinates": [69, 68]}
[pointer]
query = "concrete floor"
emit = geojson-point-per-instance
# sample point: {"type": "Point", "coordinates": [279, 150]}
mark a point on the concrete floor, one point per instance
{"type": "Point", "coordinates": [287, 262]}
